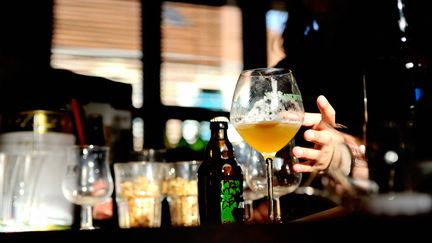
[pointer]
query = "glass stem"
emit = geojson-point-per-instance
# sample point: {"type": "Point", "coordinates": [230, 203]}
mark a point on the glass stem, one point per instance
{"type": "Point", "coordinates": [277, 210]}
{"type": "Point", "coordinates": [248, 211]}
{"type": "Point", "coordinates": [269, 163]}
{"type": "Point", "coordinates": [86, 217]}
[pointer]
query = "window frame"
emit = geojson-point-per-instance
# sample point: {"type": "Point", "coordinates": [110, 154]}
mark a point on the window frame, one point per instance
{"type": "Point", "coordinates": [153, 112]}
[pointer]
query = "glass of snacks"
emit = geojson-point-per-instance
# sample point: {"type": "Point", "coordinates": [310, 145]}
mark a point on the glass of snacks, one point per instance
{"type": "Point", "coordinates": [181, 188]}
{"type": "Point", "coordinates": [139, 193]}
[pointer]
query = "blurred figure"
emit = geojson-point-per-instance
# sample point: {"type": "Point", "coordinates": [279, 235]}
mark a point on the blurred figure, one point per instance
{"type": "Point", "coordinates": [327, 48]}
{"type": "Point", "coordinates": [347, 49]}
{"type": "Point", "coordinates": [335, 48]}
{"type": "Point", "coordinates": [329, 43]}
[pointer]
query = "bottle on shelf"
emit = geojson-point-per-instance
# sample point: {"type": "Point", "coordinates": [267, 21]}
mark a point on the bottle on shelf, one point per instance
{"type": "Point", "coordinates": [220, 178]}
{"type": "Point", "coordinates": [190, 146]}
{"type": "Point", "coordinates": [95, 132]}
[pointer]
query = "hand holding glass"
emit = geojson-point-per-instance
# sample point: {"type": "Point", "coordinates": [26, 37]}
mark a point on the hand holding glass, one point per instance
{"type": "Point", "coordinates": [267, 111]}
{"type": "Point", "coordinates": [88, 179]}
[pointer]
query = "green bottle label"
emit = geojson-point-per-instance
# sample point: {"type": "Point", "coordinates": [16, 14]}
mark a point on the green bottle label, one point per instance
{"type": "Point", "coordinates": [230, 189]}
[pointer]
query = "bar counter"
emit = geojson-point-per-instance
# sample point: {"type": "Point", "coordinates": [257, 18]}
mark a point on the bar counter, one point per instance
{"type": "Point", "coordinates": [332, 225]}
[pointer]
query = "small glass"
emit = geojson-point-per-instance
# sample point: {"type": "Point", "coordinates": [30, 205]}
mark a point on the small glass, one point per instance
{"type": "Point", "coordinates": [88, 179]}
{"type": "Point", "coordinates": [19, 174]}
{"type": "Point", "coordinates": [181, 188]}
{"type": "Point", "coordinates": [139, 193]}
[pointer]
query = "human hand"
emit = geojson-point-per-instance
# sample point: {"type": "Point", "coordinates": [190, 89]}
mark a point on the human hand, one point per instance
{"type": "Point", "coordinates": [327, 114]}
{"type": "Point", "coordinates": [329, 151]}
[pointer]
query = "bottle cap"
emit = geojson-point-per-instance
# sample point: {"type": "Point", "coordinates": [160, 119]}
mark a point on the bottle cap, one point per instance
{"type": "Point", "coordinates": [220, 119]}
{"type": "Point", "coordinates": [219, 122]}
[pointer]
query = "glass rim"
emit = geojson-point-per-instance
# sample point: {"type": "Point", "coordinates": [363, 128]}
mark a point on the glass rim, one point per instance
{"type": "Point", "coordinates": [192, 161]}
{"type": "Point", "coordinates": [138, 162]}
{"type": "Point", "coordinates": [89, 146]}
{"type": "Point", "coordinates": [266, 72]}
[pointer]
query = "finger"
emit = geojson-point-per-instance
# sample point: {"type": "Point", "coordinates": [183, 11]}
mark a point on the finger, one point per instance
{"type": "Point", "coordinates": [319, 159]}
{"type": "Point", "coordinates": [318, 137]}
{"type": "Point", "coordinates": [303, 168]}
{"type": "Point", "coordinates": [310, 166]}
{"type": "Point", "coordinates": [311, 119]}
{"type": "Point", "coordinates": [327, 111]}
{"type": "Point", "coordinates": [306, 153]}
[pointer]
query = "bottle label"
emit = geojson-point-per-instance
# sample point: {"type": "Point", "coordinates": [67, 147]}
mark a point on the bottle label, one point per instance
{"type": "Point", "coordinates": [230, 189]}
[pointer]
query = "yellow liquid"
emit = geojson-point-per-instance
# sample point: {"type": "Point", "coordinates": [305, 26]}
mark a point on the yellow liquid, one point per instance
{"type": "Point", "coordinates": [268, 137]}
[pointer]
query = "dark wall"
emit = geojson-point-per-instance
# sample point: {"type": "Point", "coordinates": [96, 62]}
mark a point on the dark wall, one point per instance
{"type": "Point", "coordinates": [25, 46]}
{"type": "Point", "coordinates": [27, 80]}
{"type": "Point", "coordinates": [26, 33]}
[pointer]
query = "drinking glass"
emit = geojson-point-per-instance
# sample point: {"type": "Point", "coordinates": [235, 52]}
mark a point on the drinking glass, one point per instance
{"type": "Point", "coordinates": [19, 174]}
{"type": "Point", "coordinates": [139, 193]}
{"type": "Point", "coordinates": [88, 179]}
{"type": "Point", "coordinates": [267, 111]}
{"type": "Point", "coordinates": [182, 192]}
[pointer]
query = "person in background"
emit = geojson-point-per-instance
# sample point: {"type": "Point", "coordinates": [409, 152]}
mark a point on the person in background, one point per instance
{"type": "Point", "coordinates": [358, 55]}
{"type": "Point", "coordinates": [327, 44]}
{"type": "Point", "coordinates": [326, 48]}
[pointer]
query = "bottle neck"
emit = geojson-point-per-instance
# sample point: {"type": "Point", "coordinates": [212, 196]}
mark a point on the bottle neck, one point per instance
{"type": "Point", "coordinates": [219, 147]}
{"type": "Point", "coordinates": [221, 134]}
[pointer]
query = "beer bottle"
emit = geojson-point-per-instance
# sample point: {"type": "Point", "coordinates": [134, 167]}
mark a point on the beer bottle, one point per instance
{"type": "Point", "coordinates": [220, 179]}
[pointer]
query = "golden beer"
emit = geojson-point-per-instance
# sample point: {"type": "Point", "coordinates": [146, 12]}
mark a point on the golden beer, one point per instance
{"type": "Point", "coordinates": [268, 137]}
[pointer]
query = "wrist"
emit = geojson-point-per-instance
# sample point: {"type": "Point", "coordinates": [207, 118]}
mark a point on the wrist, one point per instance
{"type": "Point", "coordinates": [346, 159]}
{"type": "Point", "coordinates": [359, 167]}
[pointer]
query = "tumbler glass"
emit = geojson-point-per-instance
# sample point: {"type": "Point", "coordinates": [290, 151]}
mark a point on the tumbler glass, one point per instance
{"type": "Point", "coordinates": [139, 193]}
{"type": "Point", "coordinates": [182, 192]}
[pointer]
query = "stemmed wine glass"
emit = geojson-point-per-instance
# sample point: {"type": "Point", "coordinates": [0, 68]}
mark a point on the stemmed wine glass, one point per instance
{"type": "Point", "coordinates": [88, 179]}
{"type": "Point", "coordinates": [267, 111]}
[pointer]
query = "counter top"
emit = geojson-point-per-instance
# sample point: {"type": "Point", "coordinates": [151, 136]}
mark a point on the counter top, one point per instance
{"type": "Point", "coordinates": [323, 226]}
